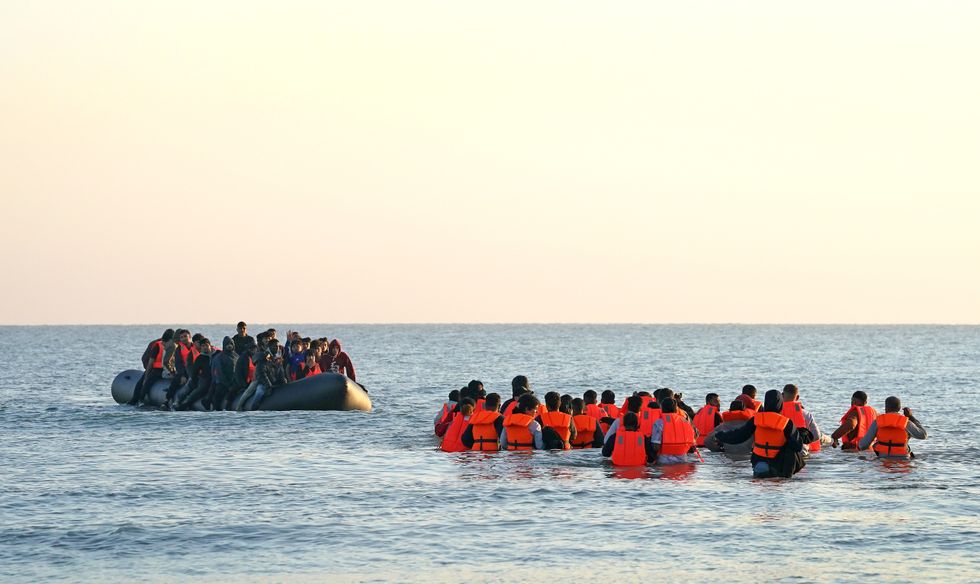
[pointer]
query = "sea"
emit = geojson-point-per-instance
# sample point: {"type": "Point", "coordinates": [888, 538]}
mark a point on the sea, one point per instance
{"type": "Point", "coordinates": [93, 491]}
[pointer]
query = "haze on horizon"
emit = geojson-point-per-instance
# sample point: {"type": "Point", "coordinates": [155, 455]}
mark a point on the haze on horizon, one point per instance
{"type": "Point", "coordinates": [443, 161]}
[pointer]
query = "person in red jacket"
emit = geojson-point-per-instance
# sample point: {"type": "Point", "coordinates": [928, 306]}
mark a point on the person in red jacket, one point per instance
{"type": "Point", "coordinates": [338, 361]}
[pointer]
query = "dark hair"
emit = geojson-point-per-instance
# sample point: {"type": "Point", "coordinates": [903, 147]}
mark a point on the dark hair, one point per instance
{"type": "Point", "coordinates": [861, 397]}
{"type": "Point", "coordinates": [261, 337]}
{"type": "Point", "coordinates": [631, 421]}
{"type": "Point", "coordinates": [167, 335]}
{"type": "Point", "coordinates": [791, 390]}
{"type": "Point", "coordinates": [664, 393]}
{"type": "Point", "coordinates": [519, 385]}
{"type": "Point", "coordinates": [454, 395]}
{"type": "Point", "coordinates": [709, 397]}
{"type": "Point", "coordinates": [272, 341]}
{"type": "Point", "coordinates": [203, 340]}
{"type": "Point", "coordinates": [492, 402]}
{"type": "Point", "coordinates": [552, 400]}
{"type": "Point", "coordinates": [307, 340]}
{"type": "Point", "coordinates": [749, 390]}
{"type": "Point", "coordinates": [668, 406]}
{"type": "Point", "coordinates": [474, 384]}
{"type": "Point", "coordinates": [527, 403]}
{"type": "Point", "coordinates": [736, 406]}
{"type": "Point", "coordinates": [270, 331]}
{"type": "Point", "coordinates": [644, 393]}
{"type": "Point", "coordinates": [634, 403]}
{"type": "Point", "coordinates": [608, 396]}
{"type": "Point", "coordinates": [295, 342]}
{"type": "Point", "coordinates": [197, 337]}
{"type": "Point", "coordinates": [578, 405]}
{"type": "Point", "coordinates": [240, 324]}
{"type": "Point", "coordinates": [466, 406]}
{"type": "Point", "coordinates": [892, 404]}
{"type": "Point", "coordinates": [589, 396]}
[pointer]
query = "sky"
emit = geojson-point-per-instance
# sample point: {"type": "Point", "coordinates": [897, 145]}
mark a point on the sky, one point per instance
{"type": "Point", "coordinates": [340, 162]}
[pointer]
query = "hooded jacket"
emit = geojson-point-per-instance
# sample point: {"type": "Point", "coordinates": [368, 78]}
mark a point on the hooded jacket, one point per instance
{"type": "Point", "coordinates": [223, 366]}
{"type": "Point", "coordinates": [339, 364]}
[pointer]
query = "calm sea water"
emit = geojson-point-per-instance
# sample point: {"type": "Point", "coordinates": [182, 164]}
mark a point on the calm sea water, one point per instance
{"type": "Point", "coordinates": [94, 491]}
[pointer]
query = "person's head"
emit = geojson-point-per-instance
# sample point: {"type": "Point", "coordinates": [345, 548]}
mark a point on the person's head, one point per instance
{"type": "Point", "coordinates": [520, 385]}
{"type": "Point", "coordinates": [892, 404]}
{"type": "Point", "coordinates": [749, 390]}
{"type": "Point", "coordinates": [527, 404]}
{"type": "Point", "coordinates": [633, 403]}
{"type": "Point", "coordinates": [454, 395]}
{"type": "Point", "coordinates": [578, 406]}
{"type": "Point", "coordinates": [270, 334]}
{"type": "Point", "coordinates": [790, 392]}
{"type": "Point", "coordinates": [712, 400]}
{"type": "Point", "coordinates": [492, 402]}
{"type": "Point", "coordinates": [644, 393]}
{"type": "Point", "coordinates": [565, 405]}
{"type": "Point", "coordinates": [590, 396]}
{"type": "Point", "coordinates": [664, 393]}
{"type": "Point", "coordinates": [272, 345]}
{"type": "Point", "coordinates": [296, 346]}
{"type": "Point", "coordinates": [316, 348]}
{"type": "Point", "coordinates": [552, 400]}
{"type": "Point", "coordinates": [306, 343]}
{"type": "Point", "coordinates": [204, 345]}
{"type": "Point", "coordinates": [262, 340]}
{"type": "Point", "coordinates": [608, 396]}
{"type": "Point", "coordinates": [294, 336]}
{"type": "Point", "coordinates": [736, 406]}
{"type": "Point", "coordinates": [242, 327]}
{"type": "Point", "coordinates": [631, 421]}
{"type": "Point", "coordinates": [167, 335]}
{"type": "Point", "coordinates": [859, 398]}
{"type": "Point", "coordinates": [773, 401]}
{"type": "Point", "coordinates": [668, 405]}
{"type": "Point", "coordinates": [334, 347]}
{"type": "Point", "coordinates": [475, 386]}
{"type": "Point", "coordinates": [196, 340]}
{"type": "Point", "coordinates": [228, 344]}
{"type": "Point", "coordinates": [467, 406]}
{"type": "Point", "coordinates": [310, 360]}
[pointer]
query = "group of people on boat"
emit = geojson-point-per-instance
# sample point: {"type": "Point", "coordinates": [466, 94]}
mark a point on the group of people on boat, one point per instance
{"type": "Point", "coordinates": [659, 428]}
{"type": "Point", "coordinates": [243, 370]}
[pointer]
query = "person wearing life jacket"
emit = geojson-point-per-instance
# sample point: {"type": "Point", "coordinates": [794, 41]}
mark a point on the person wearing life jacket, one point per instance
{"type": "Point", "coordinates": [626, 445]}
{"type": "Point", "coordinates": [556, 426]}
{"type": "Point", "coordinates": [588, 432]}
{"type": "Point", "coordinates": [633, 404]}
{"type": "Point", "coordinates": [747, 397]}
{"type": "Point", "coordinates": [152, 367]}
{"type": "Point", "coordinates": [645, 396]}
{"type": "Point", "coordinates": [182, 353]}
{"type": "Point", "coordinates": [244, 373]}
{"type": "Point", "coordinates": [609, 409]}
{"type": "Point", "coordinates": [269, 374]}
{"type": "Point", "coordinates": [485, 427]}
{"type": "Point", "coordinates": [730, 420]}
{"type": "Point", "coordinates": [855, 423]}
{"type": "Point", "coordinates": [890, 432]}
{"type": "Point", "coordinates": [672, 435]}
{"type": "Point", "coordinates": [777, 443]}
{"type": "Point", "coordinates": [794, 410]}
{"type": "Point", "coordinates": [200, 381]}
{"type": "Point", "coordinates": [308, 368]}
{"type": "Point", "coordinates": [452, 441]}
{"type": "Point", "coordinates": [589, 400]}
{"type": "Point", "coordinates": [707, 417]}
{"type": "Point", "coordinates": [222, 374]}
{"type": "Point", "coordinates": [737, 412]}
{"type": "Point", "coordinates": [521, 431]}
{"type": "Point", "coordinates": [519, 386]}
{"type": "Point", "coordinates": [446, 410]}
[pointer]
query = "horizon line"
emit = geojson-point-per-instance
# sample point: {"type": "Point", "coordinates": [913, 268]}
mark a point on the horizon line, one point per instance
{"type": "Point", "coordinates": [504, 323]}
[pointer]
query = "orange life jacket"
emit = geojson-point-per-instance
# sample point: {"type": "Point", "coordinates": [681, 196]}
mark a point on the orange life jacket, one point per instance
{"type": "Point", "coordinates": [559, 422]}
{"type": "Point", "coordinates": [158, 360]}
{"type": "Point", "coordinates": [629, 449]}
{"type": "Point", "coordinates": [518, 436]}
{"type": "Point", "coordinates": [756, 404]}
{"type": "Point", "coordinates": [595, 411]}
{"type": "Point", "coordinates": [612, 410]}
{"type": "Point", "coordinates": [447, 410]}
{"type": "Point", "coordinates": [452, 442]}
{"type": "Point", "coordinates": [865, 415]}
{"type": "Point", "coordinates": [510, 408]}
{"type": "Point", "coordinates": [769, 434]}
{"type": "Point", "coordinates": [542, 409]}
{"type": "Point", "coordinates": [892, 437]}
{"type": "Point", "coordinates": [730, 416]}
{"type": "Point", "coordinates": [647, 417]}
{"type": "Point", "coordinates": [794, 411]}
{"type": "Point", "coordinates": [183, 353]}
{"type": "Point", "coordinates": [678, 435]}
{"type": "Point", "coordinates": [704, 421]}
{"type": "Point", "coordinates": [484, 431]}
{"type": "Point", "coordinates": [584, 430]}
{"type": "Point", "coordinates": [479, 405]}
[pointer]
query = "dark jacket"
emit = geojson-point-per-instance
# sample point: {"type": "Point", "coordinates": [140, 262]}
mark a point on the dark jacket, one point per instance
{"type": "Point", "coordinates": [243, 343]}
{"type": "Point", "coordinates": [269, 372]}
{"type": "Point", "coordinates": [223, 368]}
{"type": "Point", "coordinates": [200, 373]}
{"type": "Point", "coordinates": [789, 460]}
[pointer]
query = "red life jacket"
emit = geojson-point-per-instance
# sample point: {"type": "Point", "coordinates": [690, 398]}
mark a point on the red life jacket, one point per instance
{"type": "Point", "coordinates": [447, 410]}
{"type": "Point", "coordinates": [518, 436]}
{"type": "Point", "coordinates": [740, 415]}
{"type": "Point", "coordinates": [678, 435]}
{"type": "Point", "coordinates": [559, 422]}
{"type": "Point", "coordinates": [770, 434]}
{"type": "Point", "coordinates": [251, 370]}
{"type": "Point", "coordinates": [794, 411]}
{"type": "Point", "coordinates": [704, 421]}
{"type": "Point", "coordinates": [484, 431]}
{"type": "Point", "coordinates": [158, 360]}
{"type": "Point", "coordinates": [584, 430]}
{"type": "Point", "coordinates": [452, 442]}
{"type": "Point", "coordinates": [865, 415]}
{"type": "Point", "coordinates": [183, 353]}
{"type": "Point", "coordinates": [892, 439]}
{"type": "Point", "coordinates": [629, 448]}
{"type": "Point", "coordinates": [193, 357]}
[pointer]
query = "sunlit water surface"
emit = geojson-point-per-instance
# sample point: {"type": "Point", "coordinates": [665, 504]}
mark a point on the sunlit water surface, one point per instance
{"type": "Point", "coordinates": [94, 491]}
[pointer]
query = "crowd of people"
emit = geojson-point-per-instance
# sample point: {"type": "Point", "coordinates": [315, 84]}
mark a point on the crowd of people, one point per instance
{"type": "Point", "coordinates": [243, 369]}
{"type": "Point", "coordinates": [659, 428]}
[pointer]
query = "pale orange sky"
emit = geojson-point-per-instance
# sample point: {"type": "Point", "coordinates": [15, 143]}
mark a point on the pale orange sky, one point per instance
{"type": "Point", "coordinates": [489, 162]}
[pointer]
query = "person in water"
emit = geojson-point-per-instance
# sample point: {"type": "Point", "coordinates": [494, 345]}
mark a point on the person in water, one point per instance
{"type": "Point", "coordinates": [633, 404]}
{"type": "Point", "coordinates": [794, 410]}
{"type": "Point", "coordinates": [338, 361]}
{"type": "Point", "coordinates": [223, 373]}
{"type": "Point", "coordinates": [778, 444]}
{"type": "Point", "coordinates": [890, 432]}
{"type": "Point", "coordinates": [588, 431]}
{"type": "Point", "coordinates": [152, 367]}
{"type": "Point", "coordinates": [519, 386]}
{"type": "Point", "coordinates": [855, 423]}
{"type": "Point", "coordinates": [452, 441]}
{"type": "Point", "coordinates": [748, 398]}
{"type": "Point", "coordinates": [672, 435]}
{"type": "Point", "coordinates": [558, 430]}
{"type": "Point", "coordinates": [626, 445]}
{"type": "Point", "coordinates": [485, 427]}
{"type": "Point", "coordinates": [243, 341]}
{"type": "Point", "coordinates": [737, 412]}
{"type": "Point", "coordinates": [708, 417]}
{"type": "Point", "coordinates": [521, 431]}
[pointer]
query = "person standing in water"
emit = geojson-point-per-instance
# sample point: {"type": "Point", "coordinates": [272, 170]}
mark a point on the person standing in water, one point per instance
{"type": "Point", "coordinates": [892, 431]}
{"type": "Point", "coordinates": [855, 422]}
{"type": "Point", "coordinates": [778, 444]}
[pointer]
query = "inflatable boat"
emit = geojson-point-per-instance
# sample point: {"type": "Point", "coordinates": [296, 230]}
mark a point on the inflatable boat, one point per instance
{"type": "Point", "coordinates": [326, 391]}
